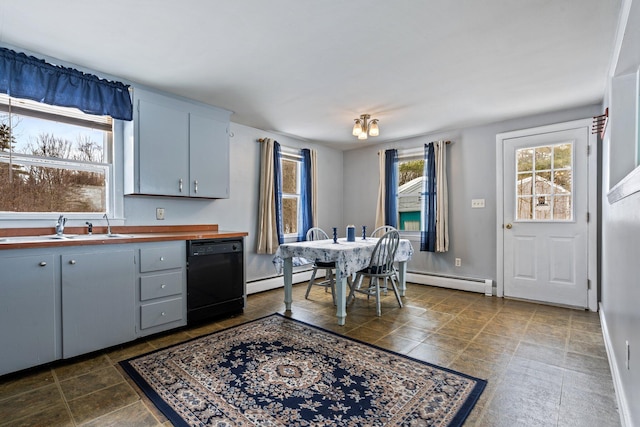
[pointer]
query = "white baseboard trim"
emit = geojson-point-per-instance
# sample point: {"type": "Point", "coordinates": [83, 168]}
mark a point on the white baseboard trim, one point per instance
{"type": "Point", "coordinates": [623, 405]}
{"type": "Point", "coordinates": [483, 286]}
{"type": "Point", "coordinates": [278, 281]}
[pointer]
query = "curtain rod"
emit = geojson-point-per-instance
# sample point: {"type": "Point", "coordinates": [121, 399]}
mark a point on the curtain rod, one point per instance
{"type": "Point", "coordinates": [416, 149]}
{"type": "Point", "coordinates": [264, 139]}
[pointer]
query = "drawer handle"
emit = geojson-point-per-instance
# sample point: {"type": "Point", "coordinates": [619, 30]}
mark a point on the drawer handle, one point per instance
{"type": "Point", "coordinates": [163, 313]}
{"type": "Point", "coordinates": [163, 286]}
{"type": "Point", "coordinates": [43, 264]}
{"type": "Point", "coordinates": [161, 258]}
{"type": "Point", "coordinates": [72, 262]}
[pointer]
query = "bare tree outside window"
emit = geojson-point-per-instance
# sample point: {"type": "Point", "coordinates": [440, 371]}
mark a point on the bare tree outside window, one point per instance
{"type": "Point", "coordinates": [48, 164]}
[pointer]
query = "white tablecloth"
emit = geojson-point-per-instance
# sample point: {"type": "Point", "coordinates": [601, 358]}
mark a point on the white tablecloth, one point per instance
{"type": "Point", "coordinates": [350, 256]}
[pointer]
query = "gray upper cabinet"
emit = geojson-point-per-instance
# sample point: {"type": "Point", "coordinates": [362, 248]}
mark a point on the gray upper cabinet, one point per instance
{"type": "Point", "coordinates": [163, 133]}
{"type": "Point", "coordinates": [28, 315]}
{"type": "Point", "coordinates": [208, 160]}
{"type": "Point", "coordinates": [98, 300]}
{"type": "Point", "coordinates": [176, 148]}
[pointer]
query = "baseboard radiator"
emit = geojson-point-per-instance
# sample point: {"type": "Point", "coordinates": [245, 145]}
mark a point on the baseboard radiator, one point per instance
{"type": "Point", "coordinates": [483, 286]}
{"type": "Point", "coordinates": [274, 282]}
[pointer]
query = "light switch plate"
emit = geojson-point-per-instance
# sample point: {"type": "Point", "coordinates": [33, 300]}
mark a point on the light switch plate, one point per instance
{"type": "Point", "coordinates": [159, 213]}
{"type": "Point", "coordinates": [477, 203]}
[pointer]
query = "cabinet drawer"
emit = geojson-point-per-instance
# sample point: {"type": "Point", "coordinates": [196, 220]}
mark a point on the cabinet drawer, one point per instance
{"type": "Point", "coordinates": [159, 313]}
{"type": "Point", "coordinates": [160, 285]}
{"type": "Point", "coordinates": [162, 258]}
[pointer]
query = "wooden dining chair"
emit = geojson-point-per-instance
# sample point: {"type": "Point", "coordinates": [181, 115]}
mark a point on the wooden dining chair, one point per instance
{"type": "Point", "coordinates": [316, 233]}
{"type": "Point", "coordinates": [380, 267]}
{"type": "Point", "coordinates": [380, 231]}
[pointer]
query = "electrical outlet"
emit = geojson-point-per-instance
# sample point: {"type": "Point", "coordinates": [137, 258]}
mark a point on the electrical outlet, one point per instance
{"type": "Point", "coordinates": [477, 203]}
{"type": "Point", "coordinates": [159, 213]}
{"type": "Point", "coordinates": [458, 262]}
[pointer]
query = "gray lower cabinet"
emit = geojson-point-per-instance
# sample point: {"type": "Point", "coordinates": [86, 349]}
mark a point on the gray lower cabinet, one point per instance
{"type": "Point", "coordinates": [57, 303]}
{"type": "Point", "coordinates": [162, 302]}
{"type": "Point", "coordinates": [98, 300]}
{"type": "Point", "coordinates": [29, 322]}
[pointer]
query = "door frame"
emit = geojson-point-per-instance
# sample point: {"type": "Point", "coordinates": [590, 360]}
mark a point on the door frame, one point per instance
{"type": "Point", "coordinates": [592, 203]}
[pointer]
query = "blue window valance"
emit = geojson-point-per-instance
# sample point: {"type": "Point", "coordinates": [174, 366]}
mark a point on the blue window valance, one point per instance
{"type": "Point", "coordinates": [23, 76]}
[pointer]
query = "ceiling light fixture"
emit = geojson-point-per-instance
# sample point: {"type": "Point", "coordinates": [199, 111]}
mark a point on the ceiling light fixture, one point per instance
{"type": "Point", "coordinates": [363, 126]}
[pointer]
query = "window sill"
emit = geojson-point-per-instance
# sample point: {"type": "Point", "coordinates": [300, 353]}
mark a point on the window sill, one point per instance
{"type": "Point", "coordinates": [629, 185]}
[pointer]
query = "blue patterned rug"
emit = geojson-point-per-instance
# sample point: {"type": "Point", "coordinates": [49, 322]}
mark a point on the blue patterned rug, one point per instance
{"type": "Point", "coordinates": [277, 371]}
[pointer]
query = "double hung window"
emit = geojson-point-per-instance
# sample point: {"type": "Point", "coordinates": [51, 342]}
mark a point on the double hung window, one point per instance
{"type": "Point", "coordinates": [410, 184]}
{"type": "Point", "coordinates": [53, 159]}
{"type": "Point", "coordinates": [290, 164]}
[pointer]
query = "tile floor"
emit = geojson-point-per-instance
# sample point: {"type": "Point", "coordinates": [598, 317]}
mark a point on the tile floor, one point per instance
{"type": "Point", "coordinates": [546, 366]}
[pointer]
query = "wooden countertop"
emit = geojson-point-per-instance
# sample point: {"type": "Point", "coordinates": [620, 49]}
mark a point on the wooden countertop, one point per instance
{"type": "Point", "coordinates": [22, 238]}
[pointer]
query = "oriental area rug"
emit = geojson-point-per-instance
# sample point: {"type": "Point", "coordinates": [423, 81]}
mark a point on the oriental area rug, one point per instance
{"type": "Point", "coordinates": [277, 371]}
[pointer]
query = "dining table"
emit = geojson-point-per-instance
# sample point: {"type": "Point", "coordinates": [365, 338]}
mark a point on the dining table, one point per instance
{"type": "Point", "coordinates": [349, 256]}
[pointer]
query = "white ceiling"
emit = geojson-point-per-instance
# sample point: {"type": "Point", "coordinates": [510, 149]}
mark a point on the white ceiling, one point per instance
{"type": "Point", "coordinates": [308, 68]}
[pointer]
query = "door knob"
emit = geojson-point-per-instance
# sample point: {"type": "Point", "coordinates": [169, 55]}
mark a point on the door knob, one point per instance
{"type": "Point", "coordinates": [508, 226]}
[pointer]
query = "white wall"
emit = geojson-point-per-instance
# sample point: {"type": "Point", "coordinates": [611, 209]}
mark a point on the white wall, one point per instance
{"type": "Point", "coordinates": [620, 250]}
{"type": "Point", "coordinates": [471, 174]}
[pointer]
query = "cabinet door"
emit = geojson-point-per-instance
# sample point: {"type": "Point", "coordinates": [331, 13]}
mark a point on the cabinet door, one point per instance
{"type": "Point", "coordinates": [28, 319]}
{"type": "Point", "coordinates": [209, 157]}
{"type": "Point", "coordinates": [163, 140]}
{"type": "Point", "coordinates": [98, 300]}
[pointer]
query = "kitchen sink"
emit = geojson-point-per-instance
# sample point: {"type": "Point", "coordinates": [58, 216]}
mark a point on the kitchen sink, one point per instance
{"type": "Point", "coordinates": [98, 236]}
{"type": "Point", "coordinates": [46, 237]}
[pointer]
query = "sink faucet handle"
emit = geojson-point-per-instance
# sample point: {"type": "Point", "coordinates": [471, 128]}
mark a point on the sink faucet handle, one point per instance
{"type": "Point", "coordinates": [89, 227]}
{"type": "Point", "coordinates": [60, 224]}
{"type": "Point", "coordinates": [105, 216]}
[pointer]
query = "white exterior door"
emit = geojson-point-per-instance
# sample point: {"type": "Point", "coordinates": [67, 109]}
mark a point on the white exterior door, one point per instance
{"type": "Point", "coordinates": [545, 203]}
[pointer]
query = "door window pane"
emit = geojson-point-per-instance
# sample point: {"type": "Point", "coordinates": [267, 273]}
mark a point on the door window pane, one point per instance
{"type": "Point", "coordinates": [524, 185]}
{"type": "Point", "coordinates": [562, 156]}
{"type": "Point", "coordinates": [543, 158]}
{"type": "Point", "coordinates": [525, 208]}
{"type": "Point", "coordinates": [562, 207]}
{"type": "Point", "coordinates": [562, 180]}
{"type": "Point", "coordinates": [544, 183]}
{"type": "Point", "coordinates": [525, 159]}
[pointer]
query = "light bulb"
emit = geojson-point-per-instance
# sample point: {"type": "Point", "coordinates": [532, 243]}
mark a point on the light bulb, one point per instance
{"type": "Point", "coordinates": [373, 128]}
{"type": "Point", "coordinates": [357, 128]}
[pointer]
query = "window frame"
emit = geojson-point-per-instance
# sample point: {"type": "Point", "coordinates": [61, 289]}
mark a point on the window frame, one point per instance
{"type": "Point", "coordinates": [71, 116]}
{"type": "Point", "coordinates": [292, 155]}
{"type": "Point", "coordinates": [552, 197]}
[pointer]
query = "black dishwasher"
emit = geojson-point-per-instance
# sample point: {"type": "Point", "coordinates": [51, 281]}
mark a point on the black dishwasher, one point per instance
{"type": "Point", "coordinates": [215, 278]}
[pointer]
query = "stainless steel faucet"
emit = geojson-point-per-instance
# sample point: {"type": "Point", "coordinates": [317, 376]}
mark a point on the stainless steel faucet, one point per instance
{"type": "Point", "coordinates": [60, 225]}
{"type": "Point", "coordinates": [108, 225]}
